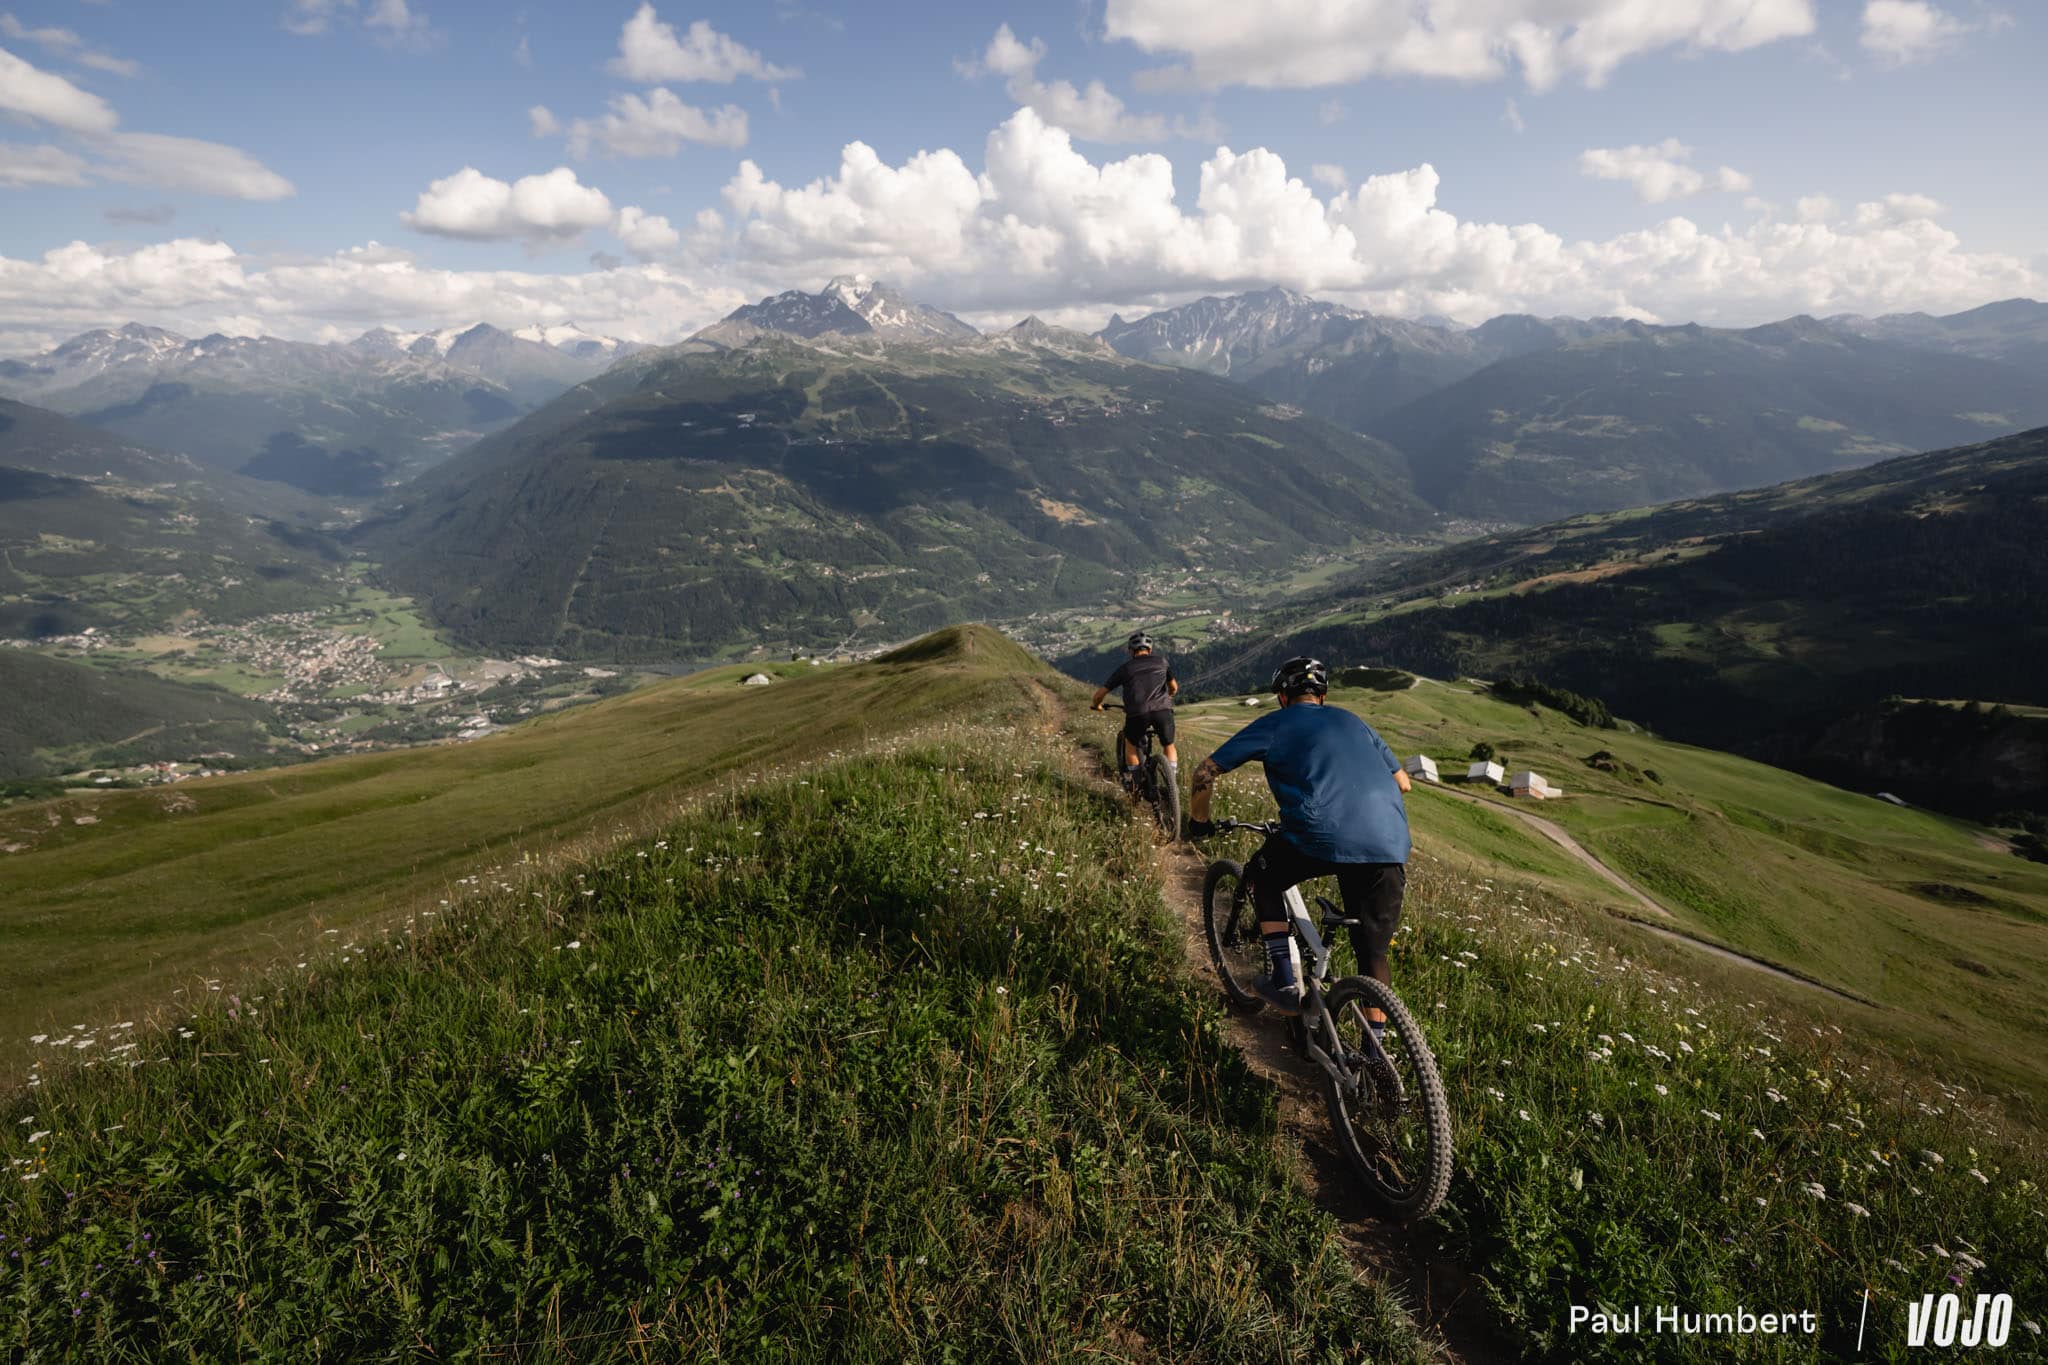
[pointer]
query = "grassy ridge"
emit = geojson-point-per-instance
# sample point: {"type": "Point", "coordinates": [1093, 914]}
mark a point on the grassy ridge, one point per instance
{"type": "Point", "coordinates": [894, 1061]}
{"type": "Point", "coordinates": [230, 870]}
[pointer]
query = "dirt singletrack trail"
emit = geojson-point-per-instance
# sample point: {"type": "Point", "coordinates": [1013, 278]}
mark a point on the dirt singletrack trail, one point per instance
{"type": "Point", "coordinates": [1442, 1299]}
{"type": "Point", "coordinates": [1557, 835]}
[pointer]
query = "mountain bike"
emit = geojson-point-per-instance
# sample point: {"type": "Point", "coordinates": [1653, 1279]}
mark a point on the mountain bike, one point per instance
{"type": "Point", "coordinates": [1386, 1101]}
{"type": "Point", "coordinates": [1155, 783]}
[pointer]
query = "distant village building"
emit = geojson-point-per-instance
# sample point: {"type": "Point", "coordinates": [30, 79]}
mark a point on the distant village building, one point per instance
{"type": "Point", "coordinates": [1422, 766]}
{"type": "Point", "coordinates": [756, 680]}
{"type": "Point", "coordinates": [1483, 771]}
{"type": "Point", "coordinates": [1533, 785]}
{"type": "Point", "coordinates": [1249, 701]}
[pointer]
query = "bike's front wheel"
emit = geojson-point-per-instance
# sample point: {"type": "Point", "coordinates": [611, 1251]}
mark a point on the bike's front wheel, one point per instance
{"type": "Point", "coordinates": [1392, 1120]}
{"type": "Point", "coordinates": [1165, 794]}
{"type": "Point", "coordinates": [1232, 924]}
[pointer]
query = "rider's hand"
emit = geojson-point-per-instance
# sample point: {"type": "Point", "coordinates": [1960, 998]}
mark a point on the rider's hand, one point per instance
{"type": "Point", "coordinates": [1201, 829]}
{"type": "Point", "coordinates": [1096, 707]}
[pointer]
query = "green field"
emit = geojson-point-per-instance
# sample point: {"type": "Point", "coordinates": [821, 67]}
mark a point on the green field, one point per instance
{"type": "Point", "coordinates": [897, 1054]}
{"type": "Point", "coordinates": [1921, 915]}
{"type": "Point", "coordinates": [227, 871]}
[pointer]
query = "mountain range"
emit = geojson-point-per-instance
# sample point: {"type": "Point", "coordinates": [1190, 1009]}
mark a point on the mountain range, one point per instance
{"type": "Point", "coordinates": [751, 485]}
{"type": "Point", "coordinates": [337, 419]}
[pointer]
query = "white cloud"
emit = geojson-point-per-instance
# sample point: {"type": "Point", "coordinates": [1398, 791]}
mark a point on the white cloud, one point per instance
{"type": "Point", "coordinates": [1512, 116]}
{"type": "Point", "coordinates": [1814, 208]}
{"type": "Point", "coordinates": [395, 24]}
{"type": "Point", "coordinates": [1330, 113]}
{"type": "Point", "coordinates": [1034, 226]}
{"type": "Point", "coordinates": [1660, 173]}
{"type": "Point", "coordinates": [1094, 114]}
{"type": "Point", "coordinates": [523, 53]}
{"type": "Point", "coordinates": [133, 158]}
{"type": "Point", "coordinates": [194, 287]}
{"type": "Point", "coordinates": [188, 163]}
{"type": "Point", "coordinates": [543, 121]}
{"type": "Point", "coordinates": [646, 235]}
{"type": "Point", "coordinates": [310, 18]}
{"type": "Point", "coordinates": [1901, 31]}
{"type": "Point", "coordinates": [48, 98]}
{"type": "Point", "coordinates": [66, 43]}
{"type": "Point", "coordinates": [657, 125]}
{"type": "Point", "coordinates": [1041, 227]}
{"type": "Point", "coordinates": [1293, 43]}
{"type": "Point", "coordinates": [553, 206]}
{"type": "Point", "coordinates": [22, 166]}
{"type": "Point", "coordinates": [649, 51]}
{"type": "Point", "coordinates": [1323, 173]}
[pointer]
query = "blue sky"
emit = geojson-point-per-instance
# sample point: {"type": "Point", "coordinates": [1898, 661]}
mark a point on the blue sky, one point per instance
{"type": "Point", "coordinates": [1728, 160]}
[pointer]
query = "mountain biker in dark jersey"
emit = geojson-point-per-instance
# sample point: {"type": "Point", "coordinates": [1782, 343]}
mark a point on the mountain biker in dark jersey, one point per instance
{"type": "Point", "coordinates": [1149, 688]}
{"type": "Point", "coordinates": [1341, 814]}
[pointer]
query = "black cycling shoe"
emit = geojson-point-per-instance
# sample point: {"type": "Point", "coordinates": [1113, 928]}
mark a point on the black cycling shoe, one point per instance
{"type": "Point", "coordinates": [1285, 999]}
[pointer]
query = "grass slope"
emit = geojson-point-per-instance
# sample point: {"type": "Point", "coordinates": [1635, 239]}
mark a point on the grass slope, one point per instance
{"type": "Point", "coordinates": [1905, 909]}
{"type": "Point", "coordinates": [894, 1061]}
{"type": "Point", "coordinates": [223, 870]}
{"type": "Point", "coordinates": [63, 716]}
{"type": "Point", "coordinates": [1774, 622]}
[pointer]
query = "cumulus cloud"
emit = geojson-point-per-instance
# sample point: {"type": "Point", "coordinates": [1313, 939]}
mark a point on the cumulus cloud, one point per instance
{"type": "Point", "coordinates": [646, 235]}
{"type": "Point", "coordinates": [23, 166]}
{"type": "Point", "coordinates": [543, 121]}
{"type": "Point", "coordinates": [1293, 43]}
{"type": "Point", "coordinates": [1323, 173]}
{"type": "Point", "coordinates": [1094, 114]}
{"type": "Point", "coordinates": [396, 24]}
{"type": "Point", "coordinates": [48, 98]}
{"type": "Point", "coordinates": [553, 206]}
{"type": "Point", "coordinates": [1659, 173]}
{"type": "Point", "coordinates": [196, 287]}
{"type": "Point", "coordinates": [311, 18]}
{"type": "Point", "coordinates": [1036, 225]}
{"type": "Point", "coordinates": [1901, 31]}
{"type": "Point", "coordinates": [657, 125]}
{"type": "Point", "coordinates": [1042, 227]}
{"type": "Point", "coordinates": [65, 43]}
{"type": "Point", "coordinates": [649, 51]}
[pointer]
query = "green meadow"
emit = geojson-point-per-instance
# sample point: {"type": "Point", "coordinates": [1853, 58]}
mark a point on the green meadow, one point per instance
{"type": "Point", "coordinates": [875, 1037]}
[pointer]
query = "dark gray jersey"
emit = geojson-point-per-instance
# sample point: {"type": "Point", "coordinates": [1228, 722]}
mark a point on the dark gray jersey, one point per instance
{"type": "Point", "coordinates": [1144, 681]}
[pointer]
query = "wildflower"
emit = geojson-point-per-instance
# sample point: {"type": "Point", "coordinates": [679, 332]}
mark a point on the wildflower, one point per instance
{"type": "Point", "coordinates": [1982, 1179]}
{"type": "Point", "coordinates": [574, 944]}
{"type": "Point", "coordinates": [1815, 1188]}
{"type": "Point", "coordinates": [1757, 1133]}
{"type": "Point", "coordinates": [1596, 1120]}
{"type": "Point", "coordinates": [1930, 1156]}
{"type": "Point", "coordinates": [1523, 1114]}
{"type": "Point", "coordinates": [1856, 1209]}
{"type": "Point", "coordinates": [1711, 1114]}
{"type": "Point", "coordinates": [1663, 1090]}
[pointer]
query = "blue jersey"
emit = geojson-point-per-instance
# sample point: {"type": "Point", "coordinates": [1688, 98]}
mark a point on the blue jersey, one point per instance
{"type": "Point", "coordinates": [1334, 779]}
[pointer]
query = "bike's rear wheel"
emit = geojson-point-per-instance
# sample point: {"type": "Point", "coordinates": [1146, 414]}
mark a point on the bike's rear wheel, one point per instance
{"type": "Point", "coordinates": [1165, 794]}
{"type": "Point", "coordinates": [1232, 924]}
{"type": "Point", "coordinates": [1394, 1123]}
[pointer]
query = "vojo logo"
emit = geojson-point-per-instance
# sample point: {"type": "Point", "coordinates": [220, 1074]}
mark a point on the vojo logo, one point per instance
{"type": "Point", "coordinates": [1940, 1321]}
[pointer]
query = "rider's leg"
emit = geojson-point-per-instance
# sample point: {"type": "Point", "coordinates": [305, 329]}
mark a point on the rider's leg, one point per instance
{"type": "Point", "coordinates": [1129, 750]}
{"type": "Point", "coordinates": [1271, 872]}
{"type": "Point", "coordinates": [1163, 723]}
{"type": "Point", "coordinates": [1372, 896]}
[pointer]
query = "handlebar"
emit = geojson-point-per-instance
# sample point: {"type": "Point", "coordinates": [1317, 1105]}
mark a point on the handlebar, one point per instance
{"type": "Point", "coordinates": [1256, 826]}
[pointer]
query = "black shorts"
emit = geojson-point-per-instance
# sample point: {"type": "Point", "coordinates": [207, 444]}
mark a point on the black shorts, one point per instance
{"type": "Point", "coordinates": [1372, 894]}
{"type": "Point", "coordinates": [1136, 723]}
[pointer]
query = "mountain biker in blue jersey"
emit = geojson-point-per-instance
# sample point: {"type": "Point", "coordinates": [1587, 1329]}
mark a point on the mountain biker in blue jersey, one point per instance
{"type": "Point", "coordinates": [1149, 688]}
{"type": "Point", "coordinates": [1341, 815]}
